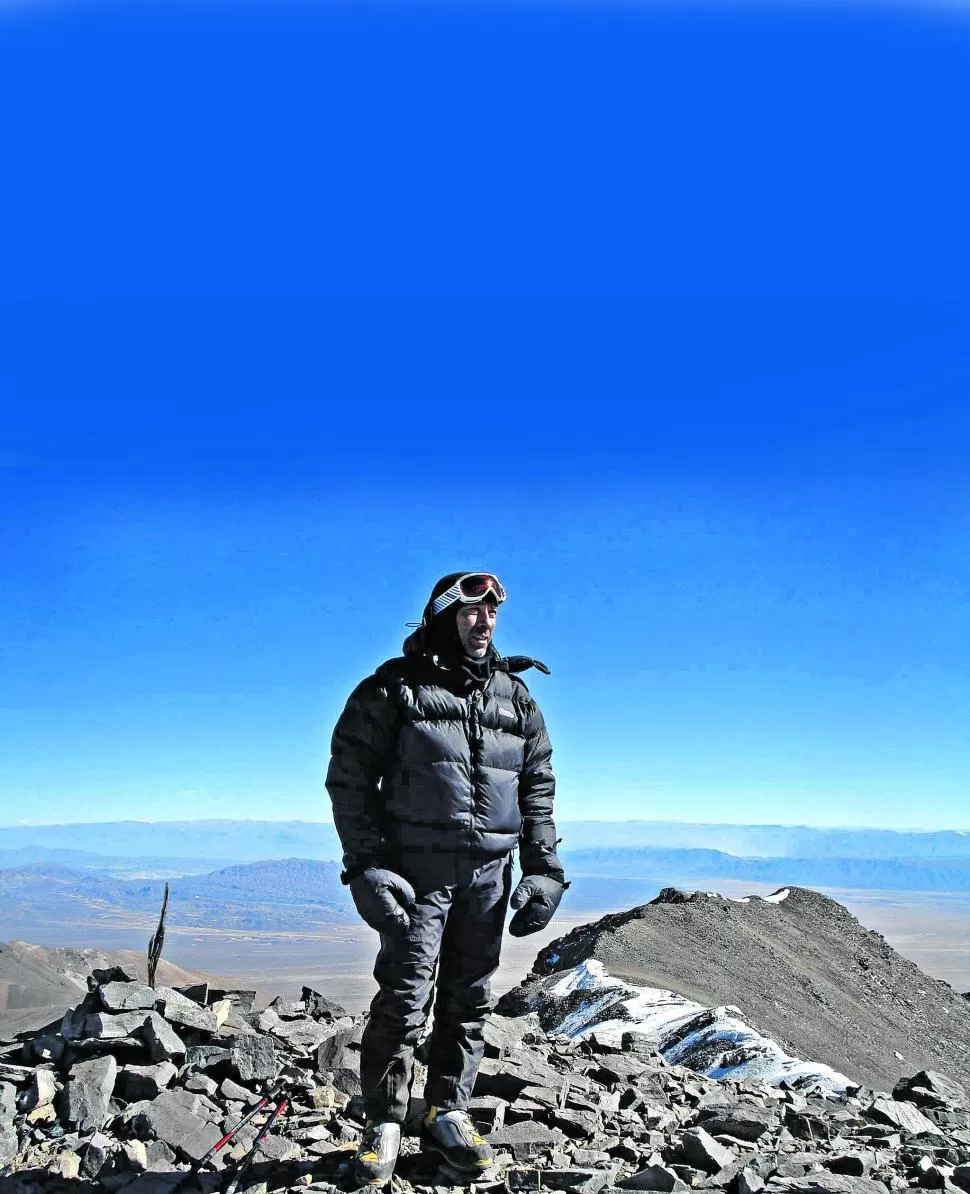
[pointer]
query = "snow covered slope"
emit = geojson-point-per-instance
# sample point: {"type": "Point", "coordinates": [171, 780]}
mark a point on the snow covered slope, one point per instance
{"type": "Point", "coordinates": [717, 1042]}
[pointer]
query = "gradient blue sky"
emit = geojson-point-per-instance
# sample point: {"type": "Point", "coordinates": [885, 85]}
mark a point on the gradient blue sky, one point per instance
{"type": "Point", "coordinates": [660, 313]}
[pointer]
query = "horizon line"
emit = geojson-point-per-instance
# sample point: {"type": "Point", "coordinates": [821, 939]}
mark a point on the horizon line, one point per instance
{"type": "Point", "coordinates": [25, 824]}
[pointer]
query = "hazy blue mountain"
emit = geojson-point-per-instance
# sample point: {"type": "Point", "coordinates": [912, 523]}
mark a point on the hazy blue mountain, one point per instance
{"type": "Point", "coordinates": [912, 874]}
{"type": "Point", "coordinates": [120, 865]}
{"type": "Point", "coordinates": [213, 841]}
{"type": "Point", "coordinates": [234, 841]}
{"type": "Point", "coordinates": [28, 855]}
{"type": "Point", "coordinates": [306, 894]}
{"type": "Point", "coordinates": [767, 841]}
{"type": "Point", "coordinates": [295, 894]}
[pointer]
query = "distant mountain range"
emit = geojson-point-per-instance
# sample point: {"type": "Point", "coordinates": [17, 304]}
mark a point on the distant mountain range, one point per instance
{"type": "Point", "coordinates": [267, 876]}
{"type": "Point", "coordinates": [306, 895]}
{"type": "Point", "coordinates": [767, 841]}
{"type": "Point", "coordinates": [109, 864]}
{"type": "Point", "coordinates": [902, 874]}
{"type": "Point", "coordinates": [294, 895]}
{"type": "Point", "coordinates": [214, 841]}
{"type": "Point", "coordinates": [220, 842]}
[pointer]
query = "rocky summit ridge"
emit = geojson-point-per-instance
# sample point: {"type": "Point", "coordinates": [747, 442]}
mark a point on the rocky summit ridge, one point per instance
{"type": "Point", "coordinates": [801, 967]}
{"type": "Point", "coordinates": [134, 1085]}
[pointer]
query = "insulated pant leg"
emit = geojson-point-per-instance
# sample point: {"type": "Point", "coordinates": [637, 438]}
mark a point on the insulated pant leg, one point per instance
{"type": "Point", "coordinates": [405, 973]}
{"type": "Point", "coordinates": [470, 950]}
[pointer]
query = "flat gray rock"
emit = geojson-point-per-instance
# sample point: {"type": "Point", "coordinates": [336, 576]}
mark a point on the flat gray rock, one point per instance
{"type": "Point", "coordinates": [581, 1125]}
{"type": "Point", "coordinates": [8, 1133]}
{"type": "Point", "coordinates": [99, 1149]}
{"type": "Point", "coordinates": [621, 1067]}
{"type": "Point", "coordinates": [41, 1089]}
{"type": "Point", "coordinates": [332, 1046]}
{"type": "Point", "coordinates": [589, 1180]}
{"type": "Point", "coordinates": [855, 1164]}
{"type": "Point", "coordinates": [289, 1009]}
{"type": "Point", "coordinates": [503, 1034]}
{"type": "Point", "coordinates": [828, 1183]}
{"type": "Point", "coordinates": [137, 1082]}
{"type": "Point", "coordinates": [163, 1042]}
{"type": "Point", "coordinates": [200, 1083]}
{"type": "Point", "coordinates": [112, 1026]}
{"type": "Point", "coordinates": [8, 1102]}
{"type": "Point", "coordinates": [179, 1009]}
{"type": "Point", "coordinates": [303, 1033]}
{"type": "Point", "coordinates": [198, 1104]}
{"type": "Point", "coordinates": [930, 1089]}
{"type": "Point", "coordinates": [126, 997]}
{"type": "Point", "coordinates": [279, 1148]}
{"type": "Point", "coordinates": [346, 1072]}
{"type": "Point", "coordinates": [527, 1139]}
{"type": "Point", "coordinates": [205, 1057]}
{"type": "Point", "coordinates": [85, 1104]}
{"type": "Point", "coordinates": [749, 1181]}
{"type": "Point", "coordinates": [591, 1158]}
{"type": "Point", "coordinates": [507, 1077]}
{"type": "Point", "coordinates": [169, 1120]}
{"type": "Point", "coordinates": [240, 1094]}
{"type": "Point", "coordinates": [254, 1058]}
{"type": "Point", "coordinates": [743, 1121]}
{"type": "Point", "coordinates": [903, 1116]}
{"type": "Point", "coordinates": [703, 1151]}
{"type": "Point", "coordinates": [654, 1177]}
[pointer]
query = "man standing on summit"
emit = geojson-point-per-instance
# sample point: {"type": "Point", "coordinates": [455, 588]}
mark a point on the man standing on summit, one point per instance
{"type": "Point", "coordinates": [440, 768]}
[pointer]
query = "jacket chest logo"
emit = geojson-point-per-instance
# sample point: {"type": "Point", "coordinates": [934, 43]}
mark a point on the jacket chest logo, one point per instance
{"type": "Point", "coordinates": [509, 713]}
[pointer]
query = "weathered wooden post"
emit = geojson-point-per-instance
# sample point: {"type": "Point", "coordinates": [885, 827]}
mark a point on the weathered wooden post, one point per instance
{"type": "Point", "coordinates": [157, 941]}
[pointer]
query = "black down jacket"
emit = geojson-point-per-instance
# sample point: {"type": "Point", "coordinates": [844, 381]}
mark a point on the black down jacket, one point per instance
{"type": "Point", "coordinates": [420, 764]}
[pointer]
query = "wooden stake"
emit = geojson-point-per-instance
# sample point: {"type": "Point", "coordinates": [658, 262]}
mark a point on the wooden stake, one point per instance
{"type": "Point", "coordinates": [157, 941]}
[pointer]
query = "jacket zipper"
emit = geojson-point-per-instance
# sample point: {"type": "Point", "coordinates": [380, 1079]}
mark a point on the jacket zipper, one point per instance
{"type": "Point", "coordinates": [475, 739]}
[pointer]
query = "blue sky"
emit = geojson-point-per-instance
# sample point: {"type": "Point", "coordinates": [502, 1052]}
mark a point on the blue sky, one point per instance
{"type": "Point", "coordinates": [660, 314]}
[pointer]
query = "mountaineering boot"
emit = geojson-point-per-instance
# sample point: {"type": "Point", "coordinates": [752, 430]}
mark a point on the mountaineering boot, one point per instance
{"type": "Point", "coordinates": [453, 1134]}
{"type": "Point", "coordinates": [377, 1153]}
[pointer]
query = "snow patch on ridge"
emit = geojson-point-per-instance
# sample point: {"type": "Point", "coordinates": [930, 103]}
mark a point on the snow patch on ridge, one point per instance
{"type": "Point", "coordinates": [717, 1042]}
{"type": "Point", "coordinates": [775, 898]}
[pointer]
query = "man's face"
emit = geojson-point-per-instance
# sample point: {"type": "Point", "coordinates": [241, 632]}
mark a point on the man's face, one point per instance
{"type": "Point", "coordinates": [475, 626]}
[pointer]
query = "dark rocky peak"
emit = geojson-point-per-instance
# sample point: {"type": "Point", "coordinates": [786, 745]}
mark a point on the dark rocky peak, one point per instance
{"type": "Point", "coordinates": [796, 963]}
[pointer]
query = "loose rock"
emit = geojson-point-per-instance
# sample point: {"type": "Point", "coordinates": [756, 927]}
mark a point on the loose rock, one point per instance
{"type": "Point", "coordinates": [85, 1103]}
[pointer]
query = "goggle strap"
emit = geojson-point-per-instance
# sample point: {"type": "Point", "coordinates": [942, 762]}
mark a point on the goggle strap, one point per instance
{"type": "Point", "coordinates": [443, 600]}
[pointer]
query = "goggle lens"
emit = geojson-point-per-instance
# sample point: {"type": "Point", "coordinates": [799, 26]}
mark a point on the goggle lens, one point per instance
{"type": "Point", "coordinates": [477, 586]}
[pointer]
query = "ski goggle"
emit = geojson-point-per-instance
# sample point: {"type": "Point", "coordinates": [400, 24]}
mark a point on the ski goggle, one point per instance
{"type": "Point", "coordinates": [473, 586]}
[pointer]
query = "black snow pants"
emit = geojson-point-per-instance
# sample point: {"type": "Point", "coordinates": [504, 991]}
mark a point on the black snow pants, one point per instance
{"type": "Point", "coordinates": [456, 925]}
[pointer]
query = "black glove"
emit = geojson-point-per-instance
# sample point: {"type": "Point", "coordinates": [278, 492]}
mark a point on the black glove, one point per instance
{"type": "Point", "coordinates": [536, 898]}
{"type": "Point", "coordinates": [383, 899]}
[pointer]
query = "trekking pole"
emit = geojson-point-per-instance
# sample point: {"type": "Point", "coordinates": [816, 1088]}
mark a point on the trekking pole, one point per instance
{"type": "Point", "coordinates": [220, 1144]}
{"type": "Point", "coordinates": [249, 1157]}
